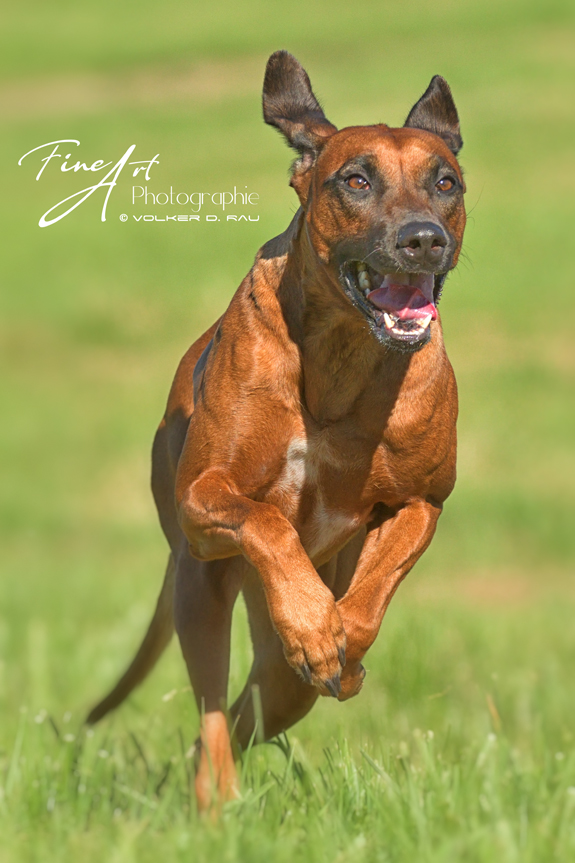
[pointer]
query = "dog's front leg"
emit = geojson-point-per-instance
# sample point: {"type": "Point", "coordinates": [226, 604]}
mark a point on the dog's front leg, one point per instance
{"type": "Point", "coordinates": [392, 546]}
{"type": "Point", "coordinates": [220, 522]}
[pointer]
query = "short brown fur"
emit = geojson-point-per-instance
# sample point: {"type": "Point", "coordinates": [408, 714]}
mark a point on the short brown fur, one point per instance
{"type": "Point", "coordinates": [299, 459]}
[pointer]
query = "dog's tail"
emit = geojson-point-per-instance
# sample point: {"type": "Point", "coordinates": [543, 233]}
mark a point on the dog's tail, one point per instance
{"type": "Point", "coordinates": [155, 642]}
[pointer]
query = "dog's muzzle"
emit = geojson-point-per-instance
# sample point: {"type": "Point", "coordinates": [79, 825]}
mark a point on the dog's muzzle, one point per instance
{"type": "Point", "coordinates": [400, 307]}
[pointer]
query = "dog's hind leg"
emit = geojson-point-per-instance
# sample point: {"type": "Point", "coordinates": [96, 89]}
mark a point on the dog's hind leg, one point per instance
{"type": "Point", "coordinates": [205, 593]}
{"type": "Point", "coordinates": [285, 697]}
{"type": "Point", "coordinates": [155, 641]}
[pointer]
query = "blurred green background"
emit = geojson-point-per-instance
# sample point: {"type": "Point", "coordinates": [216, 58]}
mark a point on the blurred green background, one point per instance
{"type": "Point", "coordinates": [94, 318]}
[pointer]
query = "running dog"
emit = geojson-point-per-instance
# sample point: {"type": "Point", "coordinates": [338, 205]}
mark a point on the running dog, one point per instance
{"type": "Point", "coordinates": [309, 439]}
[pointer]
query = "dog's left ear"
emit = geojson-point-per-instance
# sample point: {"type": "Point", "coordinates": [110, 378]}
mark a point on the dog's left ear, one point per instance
{"type": "Point", "coordinates": [290, 105]}
{"type": "Point", "coordinates": [436, 112]}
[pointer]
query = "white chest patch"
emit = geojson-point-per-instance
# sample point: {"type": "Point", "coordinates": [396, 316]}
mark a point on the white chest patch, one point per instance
{"type": "Point", "coordinates": [296, 468]}
{"type": "Point", "coordinates": [329, 528]}
{"type": "Point", "coordinates": [325, 527]}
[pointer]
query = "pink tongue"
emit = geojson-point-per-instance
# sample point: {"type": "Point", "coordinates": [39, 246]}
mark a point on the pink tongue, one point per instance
{"type": "Point", "coordinates": [404, 301]}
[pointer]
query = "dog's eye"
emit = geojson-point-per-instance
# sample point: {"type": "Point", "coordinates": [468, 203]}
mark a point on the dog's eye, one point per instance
{"type": "Point", "coordinates": [446, 184]}
{"type": "Point", "coordinates": [356, 181]}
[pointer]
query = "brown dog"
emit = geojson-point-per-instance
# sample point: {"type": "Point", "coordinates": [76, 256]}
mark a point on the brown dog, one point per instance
{"type": "Point", "coordinates": [309, 438]}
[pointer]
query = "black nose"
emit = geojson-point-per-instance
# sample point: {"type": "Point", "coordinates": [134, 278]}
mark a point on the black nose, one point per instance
{"type": "Point", "coordinates": [421, 243]}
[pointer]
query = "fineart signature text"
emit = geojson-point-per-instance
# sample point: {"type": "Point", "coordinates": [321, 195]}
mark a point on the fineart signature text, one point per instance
{"type": "Point", "coordinates": [109, 180]}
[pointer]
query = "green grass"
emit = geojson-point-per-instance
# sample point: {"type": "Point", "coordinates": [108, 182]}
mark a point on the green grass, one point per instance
{"type": "Point", "coordinates": [478, 646]}
{"type": "Point", "coordinates": [461, 750]}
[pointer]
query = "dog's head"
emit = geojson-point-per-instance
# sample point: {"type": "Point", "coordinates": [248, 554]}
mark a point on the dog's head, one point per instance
{"type": "Point", "coordinates": [384, 207]}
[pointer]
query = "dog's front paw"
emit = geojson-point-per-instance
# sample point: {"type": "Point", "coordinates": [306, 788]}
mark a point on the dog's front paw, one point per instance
{"type": "Point", "coordinates": [313, 638]}
{"type": "Point", "coordinates": [351, 681]}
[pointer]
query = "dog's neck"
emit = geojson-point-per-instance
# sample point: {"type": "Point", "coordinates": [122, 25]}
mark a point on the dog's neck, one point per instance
{"type": "Point", "coordinates": [340, 358]}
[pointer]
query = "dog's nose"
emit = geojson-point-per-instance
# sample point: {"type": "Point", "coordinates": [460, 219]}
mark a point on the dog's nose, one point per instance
{"type": "Point", "coordinates": [421, 243]}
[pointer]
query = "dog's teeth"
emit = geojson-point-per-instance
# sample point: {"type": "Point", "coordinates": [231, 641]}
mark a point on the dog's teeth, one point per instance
{"type": "Point", "coordinates": [389, 323]}
{"type": "Point", "coordinates": [424, 322]}
{"type": "Point", "coordinates": [364, 281]}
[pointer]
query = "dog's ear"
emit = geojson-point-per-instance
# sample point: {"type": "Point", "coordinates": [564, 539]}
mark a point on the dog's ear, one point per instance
{"type": "Point", "coordinates": [436, 112]}
{"type": "Point", "coordinates": [290, 105]}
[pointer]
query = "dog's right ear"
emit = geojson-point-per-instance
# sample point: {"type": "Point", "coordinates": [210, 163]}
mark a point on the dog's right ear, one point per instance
{"type": "Point", "coordinates": [290, 105]}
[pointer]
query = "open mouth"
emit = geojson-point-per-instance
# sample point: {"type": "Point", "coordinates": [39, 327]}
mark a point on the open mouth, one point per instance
{"type": "Point", "coordinates": [400, 306]}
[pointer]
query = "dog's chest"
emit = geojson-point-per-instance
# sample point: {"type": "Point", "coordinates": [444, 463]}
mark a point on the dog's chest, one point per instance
{"type": "Point", "coordinates": [315, 492]}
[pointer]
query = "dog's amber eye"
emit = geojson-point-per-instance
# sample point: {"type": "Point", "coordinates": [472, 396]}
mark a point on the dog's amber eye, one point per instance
{"type": "Point", "coordinates": [357, 182]}
{"type": "Point", "coordinates": [445, 184]}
